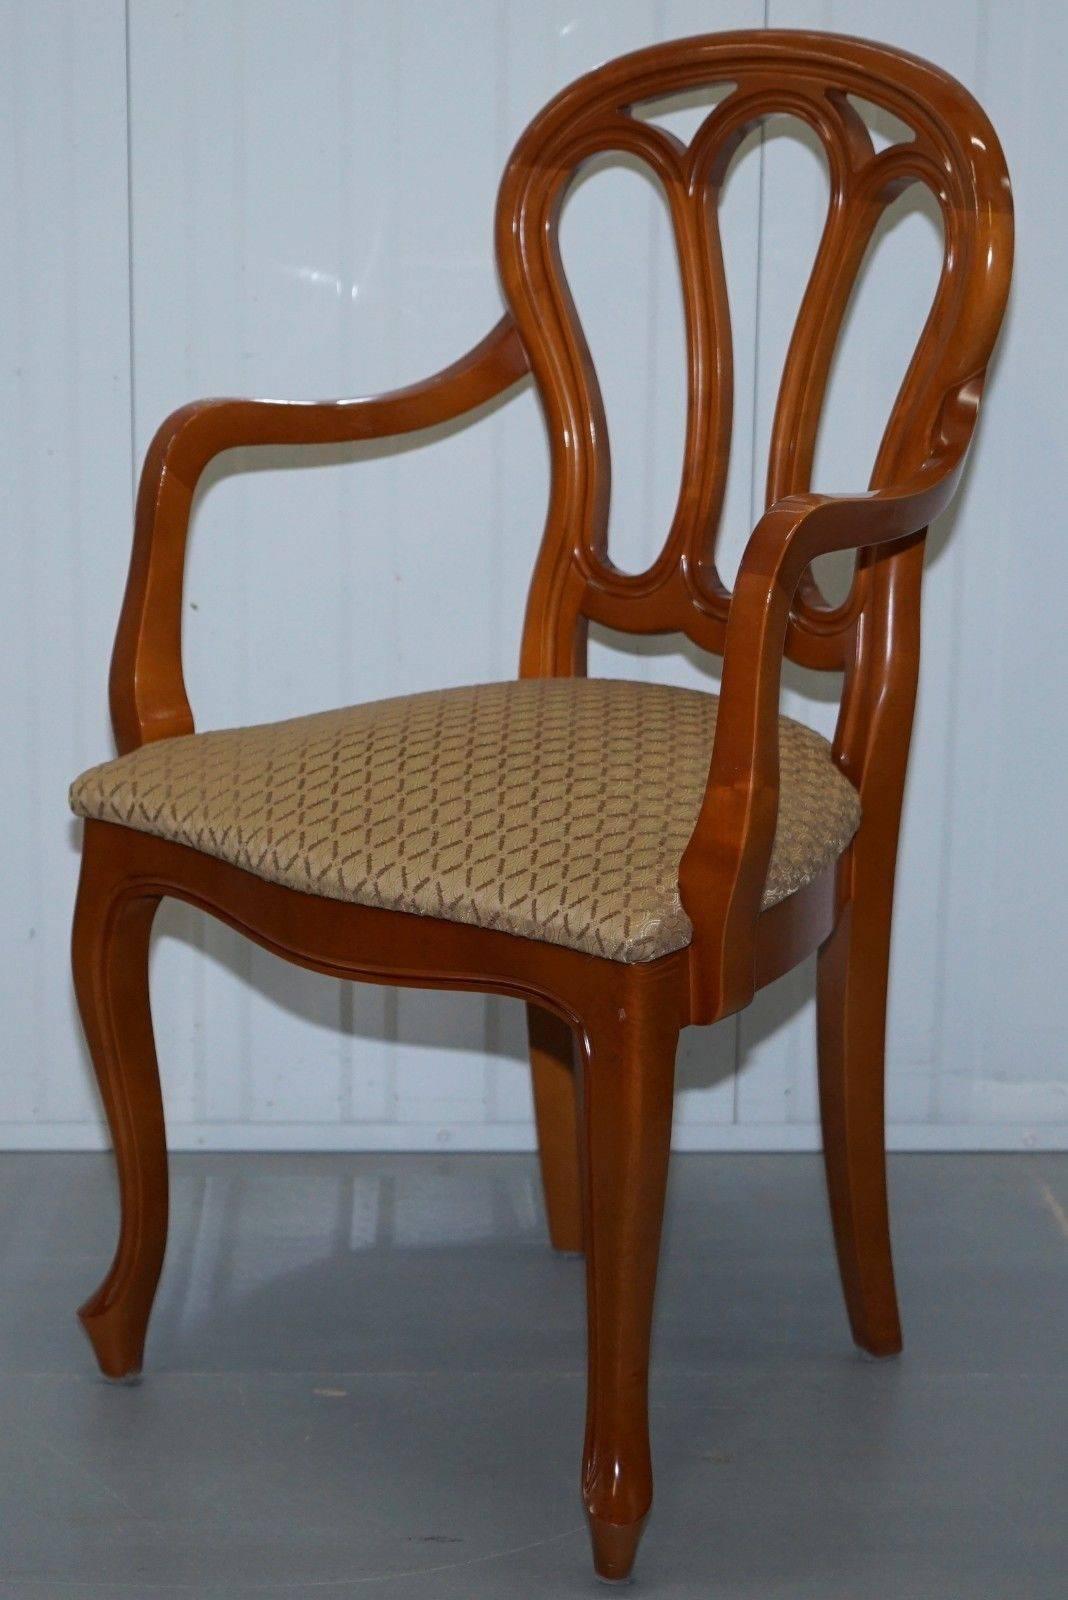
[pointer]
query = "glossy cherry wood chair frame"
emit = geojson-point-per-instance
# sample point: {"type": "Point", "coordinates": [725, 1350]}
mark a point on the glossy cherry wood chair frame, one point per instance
{"type": "Point", "coordinates": [604, 1034]}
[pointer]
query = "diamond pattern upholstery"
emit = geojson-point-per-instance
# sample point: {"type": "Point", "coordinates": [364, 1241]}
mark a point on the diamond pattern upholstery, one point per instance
{"type": "Point", "coordinates": [556, 808]}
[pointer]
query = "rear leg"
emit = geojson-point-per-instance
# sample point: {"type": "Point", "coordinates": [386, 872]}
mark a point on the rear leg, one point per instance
{"type": "Point", "coordinates": [552, 1054]}
{"type": "Point", "coordinates": [851, 1013]}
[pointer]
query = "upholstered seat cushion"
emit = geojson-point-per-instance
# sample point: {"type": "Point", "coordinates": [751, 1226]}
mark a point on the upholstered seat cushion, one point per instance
{"type": "Point", "coordinates": [554, 808]}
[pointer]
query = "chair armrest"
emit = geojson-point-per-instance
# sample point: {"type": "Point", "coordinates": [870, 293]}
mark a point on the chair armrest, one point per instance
{"type": "Point", "coordinates": [146, 686]}
{"type": "Point", "coordinates": [725, 865]}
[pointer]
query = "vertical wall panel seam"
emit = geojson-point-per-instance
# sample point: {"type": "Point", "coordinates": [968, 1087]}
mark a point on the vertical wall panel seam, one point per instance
{"type": "Point", "coordinates": [754, 502]}
{"type": "Point", "coordinates": [346, 551]}
{"type": "Point", "coordinates": [653, 326]}
{"type": "Point", "coordinates": [952, 770]}
{"type": "Point", "coordinates": [72, 245]}
{"type": "Point", "coordinates": [74, 437]}
{"type": "Point", "coordinates": [492, 1005]}
{"type": "Point", "coordinates": [391, 1000]}
{"type": "Point", "coordinates": [38, 1110]}
{"type": "Point", "coordinates": [131, 317]}
{"type": "Point", "coordinates": [241, 531]}
{"type": "Point", "coordinates": [979, 1067]}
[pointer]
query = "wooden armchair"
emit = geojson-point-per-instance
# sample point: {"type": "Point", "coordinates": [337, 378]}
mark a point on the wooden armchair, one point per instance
{"type": "Point", "coordinates": [627, 859]}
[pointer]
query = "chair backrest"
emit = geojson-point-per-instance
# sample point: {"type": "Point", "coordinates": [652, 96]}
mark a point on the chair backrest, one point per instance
{"type": "Point", "coordinates": [954, 151]}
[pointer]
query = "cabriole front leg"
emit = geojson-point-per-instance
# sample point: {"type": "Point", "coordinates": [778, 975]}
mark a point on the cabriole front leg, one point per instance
{"type": "Point", "coordinates": [112, 925]}
{"type": "Point", "coordinates": [629, 1073]}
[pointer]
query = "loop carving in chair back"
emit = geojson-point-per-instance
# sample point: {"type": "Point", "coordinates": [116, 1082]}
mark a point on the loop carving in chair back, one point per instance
{"type": "Point", "coordinates": [954, 151]}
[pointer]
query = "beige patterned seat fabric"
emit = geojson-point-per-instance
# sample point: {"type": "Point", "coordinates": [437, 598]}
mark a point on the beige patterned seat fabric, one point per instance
{"type": "Point", "coordinates": [554, 808]}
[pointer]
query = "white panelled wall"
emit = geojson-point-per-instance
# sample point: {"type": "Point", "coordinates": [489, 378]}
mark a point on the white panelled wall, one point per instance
{"type": "Point", "coordinates": [216, 196]}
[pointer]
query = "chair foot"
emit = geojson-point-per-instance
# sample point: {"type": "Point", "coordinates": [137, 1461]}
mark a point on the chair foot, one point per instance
{"type": "Point", "coordinates": [614, 1547]}
{"type": "Point", "coordinates": [117, 1339]}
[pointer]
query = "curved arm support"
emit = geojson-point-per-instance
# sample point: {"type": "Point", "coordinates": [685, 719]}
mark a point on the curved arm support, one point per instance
{"type": "Point", "coordinates": [725, 865]}
{"type": "Point", "coordinates": [147, 688]}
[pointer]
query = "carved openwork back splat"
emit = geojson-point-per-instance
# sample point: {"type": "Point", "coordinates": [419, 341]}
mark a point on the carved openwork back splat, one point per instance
{"type": "Point", "coordinates": [954, 152]}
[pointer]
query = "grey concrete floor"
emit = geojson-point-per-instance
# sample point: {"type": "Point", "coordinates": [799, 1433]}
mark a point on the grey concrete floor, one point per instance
{"type": "Point", "coordinates": [365, 1377]}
